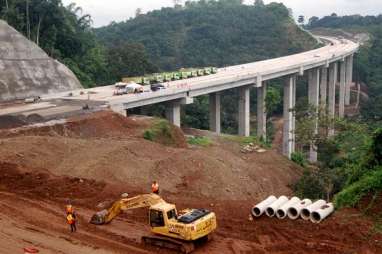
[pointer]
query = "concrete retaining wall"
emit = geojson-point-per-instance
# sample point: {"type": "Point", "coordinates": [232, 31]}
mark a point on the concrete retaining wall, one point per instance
{"type": "Point", "coordinates": [26, 70]}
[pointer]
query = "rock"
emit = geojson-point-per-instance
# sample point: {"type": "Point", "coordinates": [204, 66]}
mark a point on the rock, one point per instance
{"type": "Point", "coordinates": [124, 195]}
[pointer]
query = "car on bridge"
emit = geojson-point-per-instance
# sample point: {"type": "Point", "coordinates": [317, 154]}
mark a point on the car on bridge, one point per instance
{"type": "Point", "coordinates": [127, 88]}
{"type": "Point", "coordinates": [157, 87]}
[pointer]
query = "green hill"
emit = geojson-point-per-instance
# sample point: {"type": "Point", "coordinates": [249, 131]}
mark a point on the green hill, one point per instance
{"type": "Point", "coordinates": [204, 33]}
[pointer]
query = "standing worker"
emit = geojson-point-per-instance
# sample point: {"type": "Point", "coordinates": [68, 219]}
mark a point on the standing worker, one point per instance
{"type": "Point", "coordinates": [71, 218]}
{"type": "Point", "coordinates": [155, 187]}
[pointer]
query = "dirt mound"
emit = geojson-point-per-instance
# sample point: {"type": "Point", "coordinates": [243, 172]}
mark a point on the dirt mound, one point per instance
{"type": "Point", "coordinates": [38, 183]}
{"type": "Point", "coordinates": [108, 147]}
{"type": "Point", "coordinates": [35, 118]}
{"type": "Point", "coordinates": [9, 121]}
{"type": "Point", "coordinates": [98, 125]}
{"type": "Point", "coordinates": [103, 124]}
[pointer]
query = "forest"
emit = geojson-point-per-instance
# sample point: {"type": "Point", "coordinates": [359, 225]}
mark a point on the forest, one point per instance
{"type": "Point", "coordinates": [210, 33]}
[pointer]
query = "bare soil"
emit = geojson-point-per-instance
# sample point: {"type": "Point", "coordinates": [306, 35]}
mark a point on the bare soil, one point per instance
{"type": "Point", "coordinates": [91, 160]}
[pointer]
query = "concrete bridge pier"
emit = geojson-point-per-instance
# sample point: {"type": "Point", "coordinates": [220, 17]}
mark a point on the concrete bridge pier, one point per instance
{"type": "Point", "coordinates": [244, 111]}
{"type": "Point", "coordinates": [324, 88]}
{"type": "Point", "coordinates": [342, 88]}
{"type": "Point", "coordinates": [262, 112]}
{"type": "Point", "coordinates": [314, 86]}
{"type": "Point", "coordinates": [173, 112]}
{"type": "Point", "coordinates": [333, 76]}
{"type": "Point", "coordinates": [215, 113]}
{"type": "Point", "coordinates": [349, 78]}
{"type": "Point", "coordinates": [289, 118]}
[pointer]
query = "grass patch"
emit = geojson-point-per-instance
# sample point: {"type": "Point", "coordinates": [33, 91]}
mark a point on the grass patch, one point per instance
{"type": "Point", "coordinates": [199, 141]}
{"type": "Point", "coordinates": [377, 228]}
{"type": "Point", "coordinates": [242, 140]}
{"type": "Point", "coordinates": [160, 132]}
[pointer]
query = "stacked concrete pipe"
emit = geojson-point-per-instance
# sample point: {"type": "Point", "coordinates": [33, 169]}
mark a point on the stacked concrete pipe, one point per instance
{"type": "Point", "coordinates": [271, 209]}
{"type": "Point", "coordinates": [320, 214]}
{"type": "Point", "coordinates": [282, 212]}
{"type": "Point", "coordinates": [295, 210]}
{"type": "Point", "coordinates": [259, 209]}
{"type": "Point", "coordinates": [305, 212]}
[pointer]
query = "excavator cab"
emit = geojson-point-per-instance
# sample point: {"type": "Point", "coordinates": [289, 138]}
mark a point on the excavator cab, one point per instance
{"type": "Point", "coordinates": [160, 215]}
{"type": "Point", "coordinates": [191, 225]}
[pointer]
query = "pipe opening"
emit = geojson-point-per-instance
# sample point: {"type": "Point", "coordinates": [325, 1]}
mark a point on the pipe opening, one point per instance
{"type": "Point", "coordinates": [281, 214]}
{"type": "Point", "coordinates": [270, 212]}
{"type": "Point", "coordinates": [293, 212]}
{"type": "Point", "coordinates": [305, 213]}
{"type": "Point", "coordinates": [256, 211]}
{"type": "Point", "coordinates": [316, 217]}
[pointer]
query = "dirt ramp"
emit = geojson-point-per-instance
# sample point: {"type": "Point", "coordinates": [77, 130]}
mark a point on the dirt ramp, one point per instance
{"type": "Point", "coordinates": [103, 124]}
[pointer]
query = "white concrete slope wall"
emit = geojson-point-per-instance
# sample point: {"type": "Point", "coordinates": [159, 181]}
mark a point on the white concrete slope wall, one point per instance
{"type": "Point", "coordinates": [26, 70]}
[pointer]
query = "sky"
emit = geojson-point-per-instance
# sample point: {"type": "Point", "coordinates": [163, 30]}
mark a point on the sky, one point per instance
{"type": "Point", "coordinates": [103, 12]}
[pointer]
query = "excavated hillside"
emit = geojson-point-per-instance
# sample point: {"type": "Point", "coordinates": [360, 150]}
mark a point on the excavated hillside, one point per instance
{"type": "Point", "coordinates": [26, 70]}
{"type": "Point", "coordinates": [92, 159]}
{"type": "Point", "coordinates": [108, 147]}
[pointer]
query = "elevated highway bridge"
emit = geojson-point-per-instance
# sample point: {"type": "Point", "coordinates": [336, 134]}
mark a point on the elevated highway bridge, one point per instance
{"type": "Point", "coordinates": [326, 67]}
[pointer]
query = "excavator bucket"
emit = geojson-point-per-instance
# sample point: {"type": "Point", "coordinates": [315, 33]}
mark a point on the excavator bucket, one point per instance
{"type": "Point", "coordinates": [99, 218]}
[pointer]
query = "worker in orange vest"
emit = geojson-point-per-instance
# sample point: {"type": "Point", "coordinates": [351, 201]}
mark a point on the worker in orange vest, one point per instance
{"type": "Point", "coordinates": [155, 187]}
{"type": "Point", "coordinates": [71, 218]}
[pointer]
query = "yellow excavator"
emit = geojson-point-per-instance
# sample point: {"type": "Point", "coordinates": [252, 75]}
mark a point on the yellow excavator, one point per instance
{"type": "Point", "coordinates": [170, 229]}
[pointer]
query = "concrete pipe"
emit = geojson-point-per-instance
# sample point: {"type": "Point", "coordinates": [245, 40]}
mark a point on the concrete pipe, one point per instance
{"type": "Point", "coordinates": [295, 210]}
{"type": "Point", "coordinates": [320, 214]}
{"type": "Point", "coordinates": [305, 212]}
{"type": "Point", "coordinates": [282, 212]}
{"type": "Point", "coordinates": [259, 209]}
{"type": "Point", "coordinates": [271, 210]}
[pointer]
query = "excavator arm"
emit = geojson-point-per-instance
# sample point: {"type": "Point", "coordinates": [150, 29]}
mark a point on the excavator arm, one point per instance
{"type": "Point", "coordinates": [124, 204]}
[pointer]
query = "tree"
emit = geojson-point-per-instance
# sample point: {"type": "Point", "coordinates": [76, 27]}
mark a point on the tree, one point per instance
{"type": "Point", "coordinates": [138, 12]}
{"type": "Point", "coordinates": [313, 20]}
{"type": "Point", "coordinates": [259, 3]}
{"type": "Point", "coordinates": [128, 60]}
{"type": "Point", "coordinates": [290, 12]}
{"type": "Point", "coordinates": [301, 19]}
{"type": "Point", "coordinates": [177, 3]}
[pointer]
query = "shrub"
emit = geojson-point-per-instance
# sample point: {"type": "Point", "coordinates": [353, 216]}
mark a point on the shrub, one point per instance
{"type": "Point", "coordinates": [368, 184]}
{"type": "Point", "coordinates": [199, 141]}
{"type": "Point", "coordinates": [148, 135]}
{"type": "Point", "coordinates": [160, 132]}
{"type": "Point", "coordinates": [310, 186]}
{"type": "Point", "coordinates": [299, 158]}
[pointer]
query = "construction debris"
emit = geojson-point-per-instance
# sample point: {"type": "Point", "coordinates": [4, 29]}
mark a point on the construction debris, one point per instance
{"type": "Point", "coordinates": [251, 147]}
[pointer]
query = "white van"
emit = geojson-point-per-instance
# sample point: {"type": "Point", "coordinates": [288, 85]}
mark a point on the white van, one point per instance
{"type": "Point", "coordinates": [122, 88]}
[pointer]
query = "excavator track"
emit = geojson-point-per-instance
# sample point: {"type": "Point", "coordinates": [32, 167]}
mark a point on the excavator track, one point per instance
{"type": "Point", "coordinates": [169, 243]}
